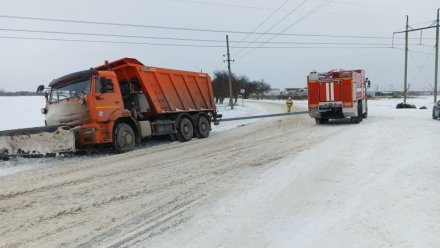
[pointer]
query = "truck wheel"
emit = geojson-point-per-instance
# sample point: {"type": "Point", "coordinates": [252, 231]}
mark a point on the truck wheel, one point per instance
{"type": "Point", "coordinates": [186, 130]}
{"type": "Point", "coordinates": [355, 120]}
{"type": "Point", "coordinates": [433, 115]}
{"type": "Point", "coordinates": [359, 116]}
{"type": "Point", "coordinates": [123, 139]}
{"type": "Point", "coordinates": [365, 115]}
{"type": "Point", "coordinates": [203, 127]}
{"type": "Point", "coordinates": [321, 120]}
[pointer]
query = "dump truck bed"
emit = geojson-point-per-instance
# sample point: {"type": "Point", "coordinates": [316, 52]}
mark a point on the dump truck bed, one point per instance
{"type": "Point", "coordinates": [167, 90]}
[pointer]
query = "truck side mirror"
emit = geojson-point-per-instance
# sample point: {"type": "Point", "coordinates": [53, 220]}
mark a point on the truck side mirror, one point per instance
{"type": "Point", "coordinates": [40, 88]}
{"type": "Point", "coordinates": [367, 81]}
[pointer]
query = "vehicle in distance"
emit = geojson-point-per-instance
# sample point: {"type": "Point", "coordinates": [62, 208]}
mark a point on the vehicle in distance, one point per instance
{"type": "Point", "coordinates": [338, 94]}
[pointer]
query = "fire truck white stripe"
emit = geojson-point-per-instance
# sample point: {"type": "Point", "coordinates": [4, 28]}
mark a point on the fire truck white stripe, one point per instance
{"type": "Point", "coordinates": [332, 92]}
{"type": "Point", "coordinates": [327, 92]}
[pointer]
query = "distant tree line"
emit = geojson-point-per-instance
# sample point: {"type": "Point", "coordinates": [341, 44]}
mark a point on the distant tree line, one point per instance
{"type": "Point", "coordinates": [220, 85]}
{"type": "Point", "coordinates": [19, 93]}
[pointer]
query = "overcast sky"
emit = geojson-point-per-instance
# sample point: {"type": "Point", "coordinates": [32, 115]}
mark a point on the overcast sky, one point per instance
{"type": "Point", "coordinates": [26, 63]}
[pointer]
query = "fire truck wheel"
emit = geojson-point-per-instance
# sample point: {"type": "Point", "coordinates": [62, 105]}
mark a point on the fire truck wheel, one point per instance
{"type": "Point", "coordinates": [321, 120]}
{"type": "Point", "coordinates": [124, 139]}
{"type": "Point", "coordinates": [360, 115]}
{"type": "Point", "coordinates": [365, 115]}
{"type": "Point", "coordinates": [185, 131]}
{"type": "Point", "coordinates": [355, 120]}
{"type": "Point", "coordinates": [202, 127]}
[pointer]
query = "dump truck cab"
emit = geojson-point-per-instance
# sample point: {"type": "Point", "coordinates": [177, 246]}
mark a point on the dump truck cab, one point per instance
{"type": "Point", "coordinates": [88, 102]}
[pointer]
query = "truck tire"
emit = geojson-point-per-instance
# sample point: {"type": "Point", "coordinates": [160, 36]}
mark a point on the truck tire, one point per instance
{"type": "Point", "coordinates": [321, 120]}
{"type": "Point", "coordinates": [185, 131]}
{"type": "Point", "coordinates": [360, 115]}
{"type": "Point", "coordinates": [433, 115]}
{"type": "Point", "coordinates": [203, 127]}
{"type": "Point", "coordinates": [365, 115]}
{"type": "Point", "coordinates": [124, 138]}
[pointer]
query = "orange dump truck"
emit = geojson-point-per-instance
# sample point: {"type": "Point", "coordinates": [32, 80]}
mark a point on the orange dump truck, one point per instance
{"type": "Point", "coordinates": [338, 94]}
{"type": "Point", "coordinates": [122, 102]}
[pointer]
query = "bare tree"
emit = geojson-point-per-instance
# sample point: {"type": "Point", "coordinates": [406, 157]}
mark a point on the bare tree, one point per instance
{"type": "Point", "coordinates": [220, 85]}
{"type": "Point", "coordinates": [261, 88]}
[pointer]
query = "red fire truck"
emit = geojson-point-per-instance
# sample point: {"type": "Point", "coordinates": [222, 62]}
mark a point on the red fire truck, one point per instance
{"type": "Point", "coordinates": [339, 93]}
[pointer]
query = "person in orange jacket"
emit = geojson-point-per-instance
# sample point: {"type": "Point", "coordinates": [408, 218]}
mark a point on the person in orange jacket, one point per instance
{"type": "Point", "coordinates": [289, 104]}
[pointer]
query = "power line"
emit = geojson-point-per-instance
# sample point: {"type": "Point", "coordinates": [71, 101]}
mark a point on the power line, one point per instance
{"type": "Point", "coordinates": [314, 10]}
{"type": "Point", "coordinates": [346, 45]}
{"type": "Point", "coordinates": [196, 29]}
{"type": "Point", "coordinates": [177, 38]}
{"type": "Point", "coordinates": [107, 35]}
{"type": "Point", "coordinates": [379, 5]}
{"type": "Point", "coordinates": [269, 8]}
{"type": "Point", "coordinates": [264, 21]}
{"type": "Point", "coordinates": [311, 12]}
{"type": "Point", "coordinates": [420, 68]}
{"type": "Point", "coordinates": [414, 51]}
{"type": "Point", "coordinates": [277, 23]}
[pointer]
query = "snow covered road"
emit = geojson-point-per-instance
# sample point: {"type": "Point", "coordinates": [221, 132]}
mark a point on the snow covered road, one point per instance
{"type": "Point", "coordinates": [281, 182]}
{"type": "Point", "coordinates": [368, 185]}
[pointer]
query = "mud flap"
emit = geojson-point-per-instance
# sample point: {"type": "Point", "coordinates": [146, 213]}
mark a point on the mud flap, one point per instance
{"type": "Point", "coordinates": [28, 142]}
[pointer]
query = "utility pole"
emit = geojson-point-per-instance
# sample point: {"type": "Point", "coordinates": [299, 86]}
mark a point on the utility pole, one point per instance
{"type": "Point", "coordinates": [405, 87]}
{"type": "Point", "coordinates": [407, 30]}
{"type": "Point", "coordinates": [229, 71]}
{"type": "Point", "coordinates": [436, 57]}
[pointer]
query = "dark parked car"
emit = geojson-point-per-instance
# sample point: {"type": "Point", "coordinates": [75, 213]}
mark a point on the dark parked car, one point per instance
{"type": "Point", "coordinates": [403, 105]}
{"type": "Point", "coordinates": [436, 110]}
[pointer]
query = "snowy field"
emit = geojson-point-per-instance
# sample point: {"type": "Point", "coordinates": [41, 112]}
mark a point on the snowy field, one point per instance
{"type": "Point", "coordinates": [21, 112]}
{"type": "Point", "coordinates": [281, 182]}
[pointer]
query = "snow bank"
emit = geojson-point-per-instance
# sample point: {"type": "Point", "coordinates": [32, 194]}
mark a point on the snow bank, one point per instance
{"type": "Point", "coordinates": [21, 112]}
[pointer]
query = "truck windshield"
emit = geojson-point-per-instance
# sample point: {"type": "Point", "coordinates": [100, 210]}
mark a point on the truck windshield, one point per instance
{"type": "Point", "coordinates": [74, 89]}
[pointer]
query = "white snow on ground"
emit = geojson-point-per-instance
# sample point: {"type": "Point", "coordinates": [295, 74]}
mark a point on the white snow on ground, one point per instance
{"type": "Point", "coordinates": [371, 185]}
{"type": "Point", "coordinates": [374, 184]}
{"type": "Point", "coordinates": [247, 108]}
{"type": "Point", "coordinates": [24, 112]}
{"type": "Point", "coordinates": [21, 112]}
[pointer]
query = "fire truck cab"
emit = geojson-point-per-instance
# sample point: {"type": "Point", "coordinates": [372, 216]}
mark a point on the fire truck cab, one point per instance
{"type": "Point", "coordinates": [340, 93]}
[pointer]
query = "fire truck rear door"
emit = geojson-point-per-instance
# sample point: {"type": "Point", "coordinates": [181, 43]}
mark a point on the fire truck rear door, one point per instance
{"type": "Point", "coordinates": [330, 91]}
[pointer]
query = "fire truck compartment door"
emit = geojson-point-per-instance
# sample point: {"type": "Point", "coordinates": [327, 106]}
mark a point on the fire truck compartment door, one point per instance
{"type": "Point", "coordinates": [330, 91]}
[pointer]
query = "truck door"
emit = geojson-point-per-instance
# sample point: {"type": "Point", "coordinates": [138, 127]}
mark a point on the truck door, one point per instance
{"type": "Point", "coordinates": [107, 97]}
{"type": "Point", "coordinates": [330, 91]}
